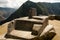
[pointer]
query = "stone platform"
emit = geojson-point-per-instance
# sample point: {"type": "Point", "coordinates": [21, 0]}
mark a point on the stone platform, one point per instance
{"type": "Point", "coordinates": [35, 27]}
{"type": "Point", "coordinates": [19, 34]}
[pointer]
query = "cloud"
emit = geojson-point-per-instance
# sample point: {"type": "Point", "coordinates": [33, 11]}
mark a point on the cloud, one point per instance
{"type": "Point", "coordinates": [3, 1]}
{"type": "Point", "coordinates": [17, 3]}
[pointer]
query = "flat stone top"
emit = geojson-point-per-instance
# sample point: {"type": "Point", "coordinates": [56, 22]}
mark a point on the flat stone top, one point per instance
{"type": "Point", "coordinates": [30, 20]}
{"type": "Point", "coordinates": [42, 17]}
{"type": "Point", "coordinates": [22, 34]}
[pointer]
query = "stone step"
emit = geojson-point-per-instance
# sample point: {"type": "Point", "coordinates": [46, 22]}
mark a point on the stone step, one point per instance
{"type": "Point", "coordinates": [29, 20]}
{"type": "Point", "coordinates": [19, 34]}
{"type": "Point", "coordinates": [40, 17]}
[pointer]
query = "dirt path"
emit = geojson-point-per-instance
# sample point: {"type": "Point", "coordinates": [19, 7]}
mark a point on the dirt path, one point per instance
{"type": "Point", "coordinates": [3, 30]}
{"type": "Point", "coordinates": [56, 24]}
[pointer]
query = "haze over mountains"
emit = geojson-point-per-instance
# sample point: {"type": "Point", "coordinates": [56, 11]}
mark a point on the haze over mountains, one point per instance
{"type": "Point", "coordinates": [6, 12]}
{"type": "Point", "coordinates": [42, 9]}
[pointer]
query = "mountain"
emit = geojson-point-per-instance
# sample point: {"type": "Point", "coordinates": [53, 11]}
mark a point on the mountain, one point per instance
{"type": "Point", "coordinates": [42, 9]}
{"type": "Point", "coordinates": [2, 18]}
{"type": "Point", "coordinates": [53, 8]}
{"type": "Point", "coordinates": [6, 12]}
{"type": "Point", "coordinates": [23, 11]}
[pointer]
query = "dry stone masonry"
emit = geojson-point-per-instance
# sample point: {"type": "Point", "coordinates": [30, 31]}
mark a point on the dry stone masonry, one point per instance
{"type": "Point", "coordinates": [32, 27]}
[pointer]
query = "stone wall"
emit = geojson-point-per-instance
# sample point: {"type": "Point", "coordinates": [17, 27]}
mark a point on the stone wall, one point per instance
{"type": "Point", "coordinates": [23, 25]}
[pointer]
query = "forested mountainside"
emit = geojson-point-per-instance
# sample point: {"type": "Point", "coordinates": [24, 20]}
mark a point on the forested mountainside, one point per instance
{"type": "Point", "coordinates": [53, 8]}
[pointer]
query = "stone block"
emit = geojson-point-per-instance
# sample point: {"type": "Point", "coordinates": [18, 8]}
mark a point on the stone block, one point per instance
{"type": "Point", "coordinates": [23, 25]}
{"type": "Point", "coordinates": [32, 12]}
{"type": "Point", "coordinates": [36, 28]}
{"type": "Point", "coordinates": [27, 24]}
{"type": "Point", "coordinates": [48, 28]}
{"type": "Point", "coordinates": [10, 27]}
{"type": "Point", "coordinates": [57, 17]}
{"type": "Point", "coordinates": [18, 34]}
{"type": "Point", "coordinates": [40, 30]}
{"type": "Point", "coordinates": [44, 19]}
{"type": "Point", "coordinates": [47, 34]}
{"type": "Point", "coordinates": [52, 17]}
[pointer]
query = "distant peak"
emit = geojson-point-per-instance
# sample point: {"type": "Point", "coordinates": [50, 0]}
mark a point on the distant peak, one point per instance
{"type": "Point", "coordinates": [28, 0]}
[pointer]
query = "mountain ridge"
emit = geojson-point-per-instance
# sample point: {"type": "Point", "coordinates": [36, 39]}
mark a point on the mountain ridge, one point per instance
{"type": "Point", "coordinates": [42, 8]}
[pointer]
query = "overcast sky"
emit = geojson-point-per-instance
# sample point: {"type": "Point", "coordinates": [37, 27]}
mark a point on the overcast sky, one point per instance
{"type": "Point", "coordinates": [17, 3]}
